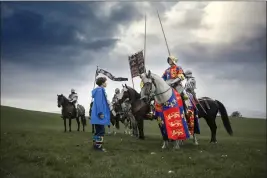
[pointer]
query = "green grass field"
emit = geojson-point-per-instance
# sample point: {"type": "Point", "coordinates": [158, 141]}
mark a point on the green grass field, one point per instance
{"type": "Point", "coordinates": [34, 145]}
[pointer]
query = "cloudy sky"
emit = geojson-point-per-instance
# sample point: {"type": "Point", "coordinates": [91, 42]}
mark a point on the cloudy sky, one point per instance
{"type": "Point", "coordinates": [47, 48]}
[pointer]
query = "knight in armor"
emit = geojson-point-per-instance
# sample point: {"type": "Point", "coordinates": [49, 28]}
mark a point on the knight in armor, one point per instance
{"type": "Point", "coordinates": [116, 95]}
{"type": "Point", "coordinates": [190, 87]}
{"type": "Point", "coordinates": [73, 98]}
{"type": "Point", "coordinates": [174, 76]}
{"type": "Point", "coordinates": [190, 84]}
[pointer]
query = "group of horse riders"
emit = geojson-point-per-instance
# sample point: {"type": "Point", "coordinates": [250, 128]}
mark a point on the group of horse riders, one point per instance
{"type": "Point", "coordinates": [173, 76]}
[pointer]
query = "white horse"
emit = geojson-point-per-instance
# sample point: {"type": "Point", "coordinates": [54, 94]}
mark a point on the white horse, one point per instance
{"type": "Point", "coordinates": [155, 86]}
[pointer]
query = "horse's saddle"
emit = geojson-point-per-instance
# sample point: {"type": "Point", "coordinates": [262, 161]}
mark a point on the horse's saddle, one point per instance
{"type": "Point", "coordinates": [205, 99]}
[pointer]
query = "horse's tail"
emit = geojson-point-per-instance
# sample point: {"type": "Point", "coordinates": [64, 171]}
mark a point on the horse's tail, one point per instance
{"type": "Point", "coordinates": [82, 112]}
{"type": "Point", "coordinates": [84, 120]}
{"type": "Point", "coordinates": [225, 118]}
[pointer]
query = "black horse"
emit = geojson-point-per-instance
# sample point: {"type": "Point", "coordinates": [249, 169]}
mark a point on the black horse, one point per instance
{"type": "Point", "coordinates": [141, 108]}
{"type": "Point", "coordinates": [69, 112]}
{"type": "Point", "coordinates": [212, 107]}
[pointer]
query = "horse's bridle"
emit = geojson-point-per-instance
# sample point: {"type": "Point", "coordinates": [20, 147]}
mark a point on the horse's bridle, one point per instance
{"type": "Point", "coordinates": [150, 88]}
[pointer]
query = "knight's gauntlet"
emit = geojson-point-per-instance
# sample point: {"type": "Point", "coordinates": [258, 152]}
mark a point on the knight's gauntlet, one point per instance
{"type": "Point", "coordinates": [181, 76]}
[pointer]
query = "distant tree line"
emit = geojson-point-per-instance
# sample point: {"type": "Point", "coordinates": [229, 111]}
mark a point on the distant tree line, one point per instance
{"type": "Point", "coordinates": [236, 114]}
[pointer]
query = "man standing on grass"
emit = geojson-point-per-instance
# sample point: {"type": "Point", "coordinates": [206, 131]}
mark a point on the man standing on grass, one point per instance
{"type": "Point", "coordinates": [100, 116]}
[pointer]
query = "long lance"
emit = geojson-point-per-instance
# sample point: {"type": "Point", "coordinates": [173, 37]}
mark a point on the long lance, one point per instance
{"type": "Point", "coordinates": [145, 42]}
{"type": "Point", "coordinates": [95, 76]}
{"type": "Point", "coordinates": [164, 34]}
{"type": "Point", "coordinates": [94, 83]}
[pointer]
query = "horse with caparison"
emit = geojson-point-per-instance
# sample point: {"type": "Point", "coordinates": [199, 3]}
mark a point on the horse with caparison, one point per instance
{"type": "Point", "coordinates": [141, 108]}
{"type": "Point", "coordinates": [69, 112]}
{"type": "Point", "coordinates": [155, 86]}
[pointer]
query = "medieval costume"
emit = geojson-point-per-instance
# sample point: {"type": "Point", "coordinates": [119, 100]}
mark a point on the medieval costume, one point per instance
{"type": "Point", "coordinates": [116, 96]}
{"type": "Point", "coordinates": [100, 115]}
{"type": "Point", "coordinates": [192, 114]}
{"type": "Point", "coordinates": [174, 76]}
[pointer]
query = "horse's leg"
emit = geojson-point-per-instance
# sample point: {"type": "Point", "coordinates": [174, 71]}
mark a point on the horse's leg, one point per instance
{"type": "Point", "coordinates": [195, 141]}
{"type": "Point", "coordinates": [140, 124]}
{"type": "Point", "coordinates": [125, 126]}
{"type": "Point", "coordinates": [109, 129]}
{"type": "Point", "coordinates": [84, 122]}
{"type": "Point", "coordinates": [93, 128]}
{"type": "Point", "coordinates": [69, 124]}
{"type": "Point", "coordinates": [78, 123]}
{"type": "Point", "coordinates": [114, 130]}
{"type": "Point", "coordinates": [213, 128]}
{"type": "Point", "coordinates": [65, 124]}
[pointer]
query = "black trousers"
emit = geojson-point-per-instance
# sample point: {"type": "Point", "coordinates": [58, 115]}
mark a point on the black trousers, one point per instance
{"type": "Point", "coordinates": [99, 130]}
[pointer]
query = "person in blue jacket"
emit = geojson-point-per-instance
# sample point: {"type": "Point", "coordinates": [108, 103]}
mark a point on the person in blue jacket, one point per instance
{"type": "Point", "coordinates": [100, 115]}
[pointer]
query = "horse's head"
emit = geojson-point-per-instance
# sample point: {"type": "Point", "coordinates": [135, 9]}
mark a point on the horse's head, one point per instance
{"type": "Point", "coordinates": [124, 94]}
{"type": "Point", "coordinates": [149, 86]}
{"type": "Point", "coordinates": [128, 93]}
{"type": "Point", "coordinates": [60, 100]}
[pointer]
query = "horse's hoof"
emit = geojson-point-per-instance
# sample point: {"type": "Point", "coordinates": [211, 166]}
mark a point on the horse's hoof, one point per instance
{"type": "Point", "coordinates": [163, 147]}
{"type": "Point", "coordinates": [213, 142]}
{"type": "Point", "coordinates": [196, 143]}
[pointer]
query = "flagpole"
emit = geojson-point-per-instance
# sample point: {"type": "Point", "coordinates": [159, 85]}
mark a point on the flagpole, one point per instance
{"type": "Point", "coordinates": [145, 43]}
{"type": "Point", "coordinates": [164, 34]}
{"type": "Point", "coordinates": [95, 76]}
{"type": "Point", "coordinates": [94, 81]}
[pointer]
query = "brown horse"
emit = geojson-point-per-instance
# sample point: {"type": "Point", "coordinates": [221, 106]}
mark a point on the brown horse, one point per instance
{"type": "Point", "coordinates": [69, 112]}
{"type": "Point", "coordinates": [140, 108]}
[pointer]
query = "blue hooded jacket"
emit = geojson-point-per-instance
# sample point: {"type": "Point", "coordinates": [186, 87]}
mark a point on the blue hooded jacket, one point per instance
{"type": "Point", "coordinates": [100, 106]}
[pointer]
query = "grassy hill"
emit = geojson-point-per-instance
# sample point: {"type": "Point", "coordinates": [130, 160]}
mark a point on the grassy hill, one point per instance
{"type": "Point", "coordinates": [34, 145]}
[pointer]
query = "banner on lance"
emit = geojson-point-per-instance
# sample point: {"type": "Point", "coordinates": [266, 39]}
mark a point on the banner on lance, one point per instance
{"type": "Point", "coordinates": [110, 76]}
{"type": "Point", "coordinates": [137, 64]}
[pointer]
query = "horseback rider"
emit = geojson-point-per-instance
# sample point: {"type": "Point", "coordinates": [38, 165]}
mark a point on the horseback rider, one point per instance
{"type": "Point", "coordinates": [73, 98]}
{"type": "Point", "coordinates": [190, 87]}
{"type": "Point", "coordinates": [174, 76]}
{"type": "Point", "coordinates": [116, 96]}
{"type": "Point", "coordinates": [190, 84]}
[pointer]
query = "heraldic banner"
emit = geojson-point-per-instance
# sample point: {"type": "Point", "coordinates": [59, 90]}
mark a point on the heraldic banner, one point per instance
{"type": "Point", "coordinates": [110, 76]}
{"type": "Point", "coordinates": [137, 64]}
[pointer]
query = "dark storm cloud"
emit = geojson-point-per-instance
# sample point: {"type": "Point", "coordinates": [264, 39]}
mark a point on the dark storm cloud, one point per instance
{"type": "Point", "coordinates": [243, 60]}
{"type": "Point", "coordinates": [42, 33]}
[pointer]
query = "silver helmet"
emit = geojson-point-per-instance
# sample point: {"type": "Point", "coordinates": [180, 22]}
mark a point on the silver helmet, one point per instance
{"type": "Point", "coordinates": [117, 90]}
{"type": "Point", "coordinates": [72, 91]}
{"type": "Point", "coordinates": [188, 73]}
